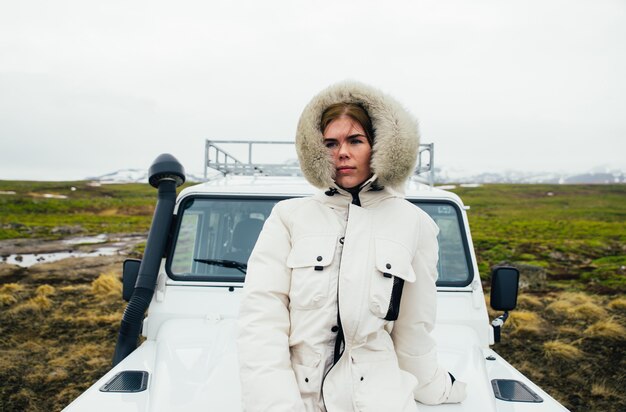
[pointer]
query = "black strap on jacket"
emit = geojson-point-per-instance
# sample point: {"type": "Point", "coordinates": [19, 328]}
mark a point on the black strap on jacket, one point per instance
{"type": "Point", "coordinates": [396, 294]}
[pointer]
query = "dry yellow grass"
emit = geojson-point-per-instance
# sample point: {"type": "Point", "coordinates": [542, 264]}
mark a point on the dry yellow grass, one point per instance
{"type": "Point", "coordinates": [85, 352]}
{"type": "Point", "coordinates": [577, 306]}
{"type": "Point", "coordinates": [559, 350]}
{"type": "Point", "coordinates": [576, 298]}
{"type": "Point", "coordinates": [92, 319]}
{"type": "Point", "coordinates": [11, 288]}
{"type": "Point", "coordinates": [57, 375]}
{"type": "Point", "coordinates": [522, 321]}
{"type": "Point", "coordinates": [73, 288]}
{"type": "Point", "coordinates": [26, 398]}
{"type": "Point", "coordinates": [76, 354]}
{"type": "Point", "coordinates": [602, 390]}
{"type": "Point", "coordinates": [568, 330]}
{"type": "Point", "coordinates": [588, 310]}
{"type": "Point", "coordinates": [10, 293]}
{"type": "Point", "coordinates": [608, 329]}
{"type": "Point", "coordinates": [560, 307]}
{"type": "Point", "coordinates": [618, 304]}
{"type": "Point", "coordinates": [108, 212]}
{"type": "Point", "coordinates": [34, 305]}
{"type": "Point", "coordinates": [40, 302]}
{"type": "Point", "coordinates": [529, 301]}
{"type": "Point", "coordinates": [579, 377]}
{"type": "Point", "coordinates": [97, 361]}
{"type": "Point", "coordinates": [106, 284]}
{"type": "Point", "coordinates": [32, 346]}
{"type": "Point", "coordinates": [45, 290]}
{"type": "Point", "coordinates": [7, 299]}
{"type": "Point", "coordinates": [523, 316]}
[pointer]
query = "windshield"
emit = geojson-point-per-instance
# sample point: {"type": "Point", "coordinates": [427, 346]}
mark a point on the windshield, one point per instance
{"type": "Point", "coordinates": [215, 237]}
{"type": "Point", "coordinates": [454, 264]}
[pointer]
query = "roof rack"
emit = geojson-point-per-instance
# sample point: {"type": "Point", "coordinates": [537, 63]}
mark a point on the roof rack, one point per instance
{"type": "Point", "coordinates": [216, 158]}
{"type": "Point", "coordinates": [425, 170]}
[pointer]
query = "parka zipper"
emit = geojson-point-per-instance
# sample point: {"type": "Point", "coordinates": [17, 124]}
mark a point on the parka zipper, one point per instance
{"type": "Point", "coordinates": [340, 336]}
{"type": "Point", "coordinates": [340, 339]}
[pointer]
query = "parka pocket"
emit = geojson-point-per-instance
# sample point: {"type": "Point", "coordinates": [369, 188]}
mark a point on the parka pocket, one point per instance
{"type": "Point", "coordinates": [309, 260]}
{"type": "Point", "coordinates": [393, 268]}
{"type": "Point", "coordinates": [380, 384]}
{"type": "Point", "coordinates": [305, 364]}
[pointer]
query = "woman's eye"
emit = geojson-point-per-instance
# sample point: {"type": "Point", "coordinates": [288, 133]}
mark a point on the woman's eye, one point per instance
{"type": "Point", "coordinates": [330, 144]}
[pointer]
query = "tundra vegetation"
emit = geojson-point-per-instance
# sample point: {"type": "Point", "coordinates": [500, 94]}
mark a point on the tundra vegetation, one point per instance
{"type": "Point", "coordinates": [59, 320]}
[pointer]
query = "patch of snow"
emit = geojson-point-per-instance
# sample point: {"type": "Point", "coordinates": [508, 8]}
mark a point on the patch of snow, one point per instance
{"type": "Point", "coordinates": [101, 238]}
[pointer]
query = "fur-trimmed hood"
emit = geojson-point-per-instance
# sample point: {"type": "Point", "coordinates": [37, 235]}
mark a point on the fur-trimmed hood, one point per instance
{"type": "Point", "coordinates": [396, 138]}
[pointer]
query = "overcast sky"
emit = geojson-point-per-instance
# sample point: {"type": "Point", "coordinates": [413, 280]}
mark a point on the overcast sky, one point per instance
{"type": "Point", "coordinates": [90, 87]}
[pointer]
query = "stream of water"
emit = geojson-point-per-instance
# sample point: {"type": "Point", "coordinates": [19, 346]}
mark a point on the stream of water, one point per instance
{"type": "Point", "coordinates": [29, 259]}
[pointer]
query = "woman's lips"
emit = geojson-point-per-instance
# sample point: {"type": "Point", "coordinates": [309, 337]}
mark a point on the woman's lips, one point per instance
{"type": "Point", "coordinates": [345, 169]}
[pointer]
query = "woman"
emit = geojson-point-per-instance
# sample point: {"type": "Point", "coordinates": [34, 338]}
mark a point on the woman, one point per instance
{"type": "Point", "coordinates": [340, 296]}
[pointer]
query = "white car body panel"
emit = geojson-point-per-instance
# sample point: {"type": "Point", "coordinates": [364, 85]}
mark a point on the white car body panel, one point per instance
{"type": "Point", "coordinates": [190, 330]}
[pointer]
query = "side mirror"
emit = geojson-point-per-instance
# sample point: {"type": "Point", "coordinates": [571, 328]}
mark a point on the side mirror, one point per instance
{"type": "Point", "coordinates": [130, 272]}
{"type": "Point", "coordinates": [504, 285]}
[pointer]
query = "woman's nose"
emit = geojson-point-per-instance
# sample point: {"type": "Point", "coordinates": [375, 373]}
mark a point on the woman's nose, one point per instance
{"type": "Point", "coordinates": [343, 151]}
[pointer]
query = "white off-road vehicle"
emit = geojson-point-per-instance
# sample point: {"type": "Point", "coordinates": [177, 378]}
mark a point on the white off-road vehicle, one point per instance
{"type": "Point", "coordinates": [191, 276]}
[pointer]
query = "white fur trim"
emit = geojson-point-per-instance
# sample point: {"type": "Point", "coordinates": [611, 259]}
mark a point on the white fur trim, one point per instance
{"type": "Point", "coordinates": [396, 137]}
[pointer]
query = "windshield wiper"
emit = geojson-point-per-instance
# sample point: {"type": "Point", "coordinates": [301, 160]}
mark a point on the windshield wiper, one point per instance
{"type": "Point", "coordinates": [225, 263]}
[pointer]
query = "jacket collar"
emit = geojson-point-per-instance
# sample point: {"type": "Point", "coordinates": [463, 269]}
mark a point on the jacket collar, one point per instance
{"type": "Point", "coordinates": [369, 194]}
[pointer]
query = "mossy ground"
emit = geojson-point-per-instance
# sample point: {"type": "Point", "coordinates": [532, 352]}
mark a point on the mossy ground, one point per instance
{"type": "Point", "coordinates": [58, 332]}
{"type": "Point", "coordinates": [51, 209]}
{"type": "Point", "coordinates": [60, 319]}
{"type": "Point", "coordinates": [576, 232]}
{"type": "Point", "coordinates": [572, 345]}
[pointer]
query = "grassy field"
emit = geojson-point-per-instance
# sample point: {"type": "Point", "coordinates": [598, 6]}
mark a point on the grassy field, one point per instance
{"type": "Point", "coordinates": [577, 233]}
{"type": "Point", "coordinates": [60, 319]}
{"type": "Point", "coordinates": [568, 333]}
{"type": "Point", "coordinates": [55, 209]}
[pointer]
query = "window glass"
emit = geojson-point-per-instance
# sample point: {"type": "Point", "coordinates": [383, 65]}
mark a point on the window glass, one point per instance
{"type": "Point", "coordinates": [216, 236]}
{"type": "Point", "coordinates": [454, 263]}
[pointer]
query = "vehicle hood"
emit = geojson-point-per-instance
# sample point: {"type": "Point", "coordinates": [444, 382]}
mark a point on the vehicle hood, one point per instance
{"type": "Point", "coordinates": [193, 366]}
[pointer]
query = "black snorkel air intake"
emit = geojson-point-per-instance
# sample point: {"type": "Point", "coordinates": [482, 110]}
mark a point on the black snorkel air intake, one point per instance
{"type": "Point", "coordinates": [166, 174]}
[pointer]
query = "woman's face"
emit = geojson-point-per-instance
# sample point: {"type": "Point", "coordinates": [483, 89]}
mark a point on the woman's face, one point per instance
{"type": "Point", "coordinates": [350, 150]}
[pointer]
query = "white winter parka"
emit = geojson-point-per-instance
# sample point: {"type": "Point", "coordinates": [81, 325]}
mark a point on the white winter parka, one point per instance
{"type": "Point", "coordinates": [360, 266]}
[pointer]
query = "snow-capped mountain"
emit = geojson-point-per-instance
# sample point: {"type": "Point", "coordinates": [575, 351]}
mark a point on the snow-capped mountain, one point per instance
{"type": "Point", "coordinates": [123, 176]}
{"type": "Point", "coordinates": [595, 176]}
{"type": "Point", "coordinates": [442, 175]}
{"type": "Point", "coordinates": [135, 176]}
